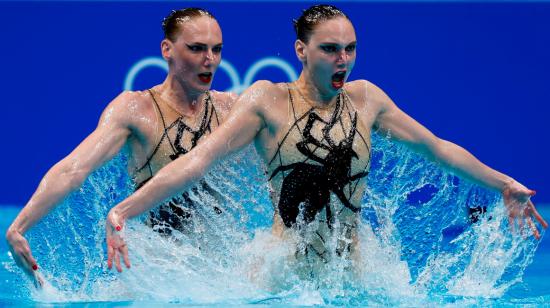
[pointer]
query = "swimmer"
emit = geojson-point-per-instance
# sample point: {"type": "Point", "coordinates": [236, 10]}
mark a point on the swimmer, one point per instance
{"type": "Point", "coordinates": [314, 137]}
{"type": "Point", "coordinates": [158, 125]}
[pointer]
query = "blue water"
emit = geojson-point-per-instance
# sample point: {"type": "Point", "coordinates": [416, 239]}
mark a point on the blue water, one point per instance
{"type": "Point", "coordinates": [418, 248]}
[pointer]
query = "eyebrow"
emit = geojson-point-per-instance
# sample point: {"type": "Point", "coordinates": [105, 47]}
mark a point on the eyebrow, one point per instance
{"type": "Point", "coordinates": [203, 44]}
{"type": "Point", "coordinates": [333, 43]}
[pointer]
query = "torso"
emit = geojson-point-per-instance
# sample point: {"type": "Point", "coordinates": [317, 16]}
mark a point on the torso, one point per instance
{"type": "Point", "coordinates": [166, 136]}
{"type": "Point", "coordinates": [317, 161]}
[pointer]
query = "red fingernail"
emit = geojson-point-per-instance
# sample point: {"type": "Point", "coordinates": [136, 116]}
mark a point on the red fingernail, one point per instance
{"type": "Point", "coordinates": [34, 267]}
{"type": "Point", "coordinates": [118, 228]}
{"type": "Point", "coordinates": [534, 192]}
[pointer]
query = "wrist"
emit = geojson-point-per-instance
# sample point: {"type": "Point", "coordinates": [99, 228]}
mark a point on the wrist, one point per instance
{"type": "Point", "coordinates": [121, 211]}
{"type": "Point", "coordinates": [12, 231]}
{"type": "Point", "coordinates": [506, 183]}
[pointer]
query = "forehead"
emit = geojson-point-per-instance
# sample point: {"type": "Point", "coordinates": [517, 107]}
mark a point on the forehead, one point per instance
{"type": "Point", "coordinates": [335, 30]}
{"type": "Point", "coordinates": [200, 29]}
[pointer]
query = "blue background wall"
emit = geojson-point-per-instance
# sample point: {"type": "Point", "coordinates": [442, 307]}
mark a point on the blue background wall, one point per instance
{"type": "Point", "coordinates": [474, 73]}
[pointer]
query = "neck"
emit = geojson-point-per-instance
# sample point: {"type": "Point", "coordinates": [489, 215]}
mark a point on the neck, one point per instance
{"type": "Point", "coordinates": [182, 99]}
{"type": "Point", "coordinates": [311, 93]}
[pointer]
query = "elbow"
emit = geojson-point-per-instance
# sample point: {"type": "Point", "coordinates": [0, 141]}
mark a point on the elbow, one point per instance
{"type": "Point", "coordinates": [442, 151]}
{"type": "Point", "coordinates": [435, 149]}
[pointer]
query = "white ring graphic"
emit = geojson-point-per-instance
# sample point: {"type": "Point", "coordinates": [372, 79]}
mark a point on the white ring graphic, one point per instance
{"type": "Point", "coordinates": [233, 75]}
{"type": "Point", "coordinates": [141, 64]}
{"type": "Point", "coordinates": [236, 85]}
{"type": "Point", "coordinates": [266, 62]}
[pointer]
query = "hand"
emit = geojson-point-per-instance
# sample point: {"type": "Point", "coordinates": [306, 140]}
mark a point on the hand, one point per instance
{"type": "Point", "coordinates": [116, 247]}
{"type": "Point", "coordinates": [21, 252]}
{"type": "Point", "coordinates": [517, 199]}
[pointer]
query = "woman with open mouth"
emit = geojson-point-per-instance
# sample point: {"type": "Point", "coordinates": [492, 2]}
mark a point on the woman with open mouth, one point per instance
{"type": "Point", "coordinates": [314, 137]}
{"type": "Point", "coordinates": [157, 126]}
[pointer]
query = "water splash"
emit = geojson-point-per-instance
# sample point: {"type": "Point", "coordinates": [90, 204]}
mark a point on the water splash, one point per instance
{"type": "Point", "coordinates": [416, 247]}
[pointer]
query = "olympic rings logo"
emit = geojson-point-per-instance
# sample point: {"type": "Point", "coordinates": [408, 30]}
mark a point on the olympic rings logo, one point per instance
{"type": "Point", "coordinates": [226, 66]}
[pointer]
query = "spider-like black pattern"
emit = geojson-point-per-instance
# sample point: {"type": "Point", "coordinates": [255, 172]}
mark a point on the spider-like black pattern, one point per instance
{"type": "Point", "coordinates": [307, 186]}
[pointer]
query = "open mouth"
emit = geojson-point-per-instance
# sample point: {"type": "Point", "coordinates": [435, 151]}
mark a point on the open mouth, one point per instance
{"type": "Point", "coordinates": [205, 77]}
{"type": "Point", "coordinates": [338, 79]}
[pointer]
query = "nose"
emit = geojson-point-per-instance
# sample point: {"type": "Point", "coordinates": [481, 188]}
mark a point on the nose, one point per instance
{"type": "Point", "coordinates": [342, 58]}
{"type": "Point", "coordinates": [209, 58]}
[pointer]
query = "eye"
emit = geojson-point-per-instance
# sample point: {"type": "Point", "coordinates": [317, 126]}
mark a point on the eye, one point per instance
{"type": "Point", "coordinates": [350, 48]}
{"type": "Point", "coordinates": [328, 48]}
{"type": "Point", "coordinates": [195, 48]}
{"type": "Point", "coordinates": [217, 49]}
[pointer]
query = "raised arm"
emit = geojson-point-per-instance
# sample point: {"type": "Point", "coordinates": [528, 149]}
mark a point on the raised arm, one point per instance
{"type": "Point", "coordinates": [66, 176]}
{"type": "Point", "coordinates": [401, 127]}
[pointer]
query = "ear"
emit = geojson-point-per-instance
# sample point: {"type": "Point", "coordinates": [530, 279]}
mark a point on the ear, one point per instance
{"type": "Point", "coordinates": [300, 48]}
{"type": "Point", "coordinates": [166, 49]}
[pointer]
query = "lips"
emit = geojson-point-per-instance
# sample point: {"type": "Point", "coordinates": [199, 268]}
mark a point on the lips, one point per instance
{"type": "Point", "coordinates": [338, 79]}
{"type": "Point", "coordinates": [205, 77]}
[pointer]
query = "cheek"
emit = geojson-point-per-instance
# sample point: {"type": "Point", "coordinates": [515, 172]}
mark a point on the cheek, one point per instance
{"type": "Point", "coordinates": [322, 67]}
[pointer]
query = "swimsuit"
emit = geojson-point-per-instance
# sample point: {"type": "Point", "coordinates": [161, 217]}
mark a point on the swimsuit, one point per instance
{"type": "Point", "coordinates": [176, 214]}
{"type": "Point", "coordinates": [317, 168]}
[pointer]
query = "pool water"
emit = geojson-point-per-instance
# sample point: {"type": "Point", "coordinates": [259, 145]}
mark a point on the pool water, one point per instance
{"type": "Point", "coordinates": [418, 247]}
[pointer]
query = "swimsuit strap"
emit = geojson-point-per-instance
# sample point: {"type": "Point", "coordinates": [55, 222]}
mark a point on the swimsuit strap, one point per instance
{"type": "Point", "coordinates": [165, 134]}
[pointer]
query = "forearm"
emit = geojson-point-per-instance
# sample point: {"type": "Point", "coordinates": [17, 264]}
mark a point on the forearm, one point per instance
{"type": "Point", "coordinates": [58, 182]}
{"type": "Point", "coordinates": [462, 163]}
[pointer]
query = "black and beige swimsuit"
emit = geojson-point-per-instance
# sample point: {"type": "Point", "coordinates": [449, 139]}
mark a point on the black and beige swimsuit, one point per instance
{"type": "Point", "coordinates": [317, 170]}
{"type": "Point", "coordinates": [177, 138]}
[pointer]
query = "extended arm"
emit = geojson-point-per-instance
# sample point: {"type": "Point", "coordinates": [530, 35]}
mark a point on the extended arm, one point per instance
{"type": "Point", "coordinates": [395, 123]}
{"type": "Point", "coordinates": [63, 178]}
{"type": "Point", "coordinates": [238, 130]}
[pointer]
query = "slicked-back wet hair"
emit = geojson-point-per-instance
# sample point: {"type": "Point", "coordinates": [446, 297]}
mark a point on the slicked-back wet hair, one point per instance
{"type": "Point", "coordinates": [172, 23]}
{"type": "Point", "coordinates": [313, 16]}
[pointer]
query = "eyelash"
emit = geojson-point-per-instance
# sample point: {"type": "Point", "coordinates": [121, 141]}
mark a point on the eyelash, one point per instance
{"type": "Point", "coordinates": [331, 49]}
{"type": "Point", "coordinates": [196, 48]}
{"type": "Point", "coordinates": [328, 48]}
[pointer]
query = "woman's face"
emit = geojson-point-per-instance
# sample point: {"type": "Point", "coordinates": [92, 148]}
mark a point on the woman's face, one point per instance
{"type": "Point", "coordinates": [329, 56]}
{"type": "Point", "coordinates": [196, 53]}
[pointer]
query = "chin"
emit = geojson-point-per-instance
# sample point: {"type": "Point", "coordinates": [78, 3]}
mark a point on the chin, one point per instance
{"type": "Point", "coordinates": [203, 87]}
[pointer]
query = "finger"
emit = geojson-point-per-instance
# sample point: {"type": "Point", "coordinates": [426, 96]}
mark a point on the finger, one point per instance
{"type": "Point", "coordinates": [117, 261]}
{"type": "Point", "coordinates": [31, 270]}
{"type": "Point", "coordinates": [110, 255]}
{"type": "Point", "coordinates": [537, 215]}
{"type": "Point", "coordinates": [124, 251]}
{"type": "Point", "coordinates": [38, 280]}
{"type": "Point", "coordinates": [533, 228]}
{"type": "Point", "coordinates": [532, 193]}
{"type": "Point", "coordinates": [20, 260]}
{"type": "Point", "coordinates": [30, 259]}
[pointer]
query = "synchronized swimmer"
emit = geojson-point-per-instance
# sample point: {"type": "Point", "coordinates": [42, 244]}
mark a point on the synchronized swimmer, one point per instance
{"type": "Point", "coordinates": [313, 135]}
{"type": "Point", "coordinates": [166, 122]}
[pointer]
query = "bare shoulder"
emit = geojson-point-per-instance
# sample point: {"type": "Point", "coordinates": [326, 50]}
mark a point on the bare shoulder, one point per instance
{"type": "Point", "coordinates": [264, 92]}
{"type": "Point", "coordinates": [223, 101]}
{"type": "Point", "coordinates": [128, 107]}
{"type": "Point", "coordinates": [366, 94]}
